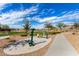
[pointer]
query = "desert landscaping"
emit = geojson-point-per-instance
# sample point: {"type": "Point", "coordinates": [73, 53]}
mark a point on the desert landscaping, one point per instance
{"type": "Point", "coordinates": [38, 29]}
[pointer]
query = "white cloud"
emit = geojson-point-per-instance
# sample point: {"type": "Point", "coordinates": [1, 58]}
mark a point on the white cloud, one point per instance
{"type": "Point", "coordinates": [46, 11]}
{"type": "Point", "coordinates": [13, 17]}
{"type": "Point", "coordinates": [69, 23]}
{"type": "Point", "coordinates": [16, 26]}
{"type": "Point", "coordinates": [3, 5]}
{"type": "Point", "coordinates": [38, 26]}
{"type": "Point", "coordinates": [68, 16]}
{"type": "Point", "coordinates": [47, 19]}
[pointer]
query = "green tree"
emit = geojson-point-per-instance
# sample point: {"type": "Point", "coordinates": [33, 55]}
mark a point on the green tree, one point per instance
{"type": "Point", "coordinates": [0, 26]}
{"type": "Point", "coordinates": [76, 26]}
{"type": "Point", "coordinates": [48, 25]}
{"type": "Point", "coordinates": [27, 26]}
{"type": "Point", "coordinates": [60, 25]}
{"type": "Point", "coordinates": [5, 27]}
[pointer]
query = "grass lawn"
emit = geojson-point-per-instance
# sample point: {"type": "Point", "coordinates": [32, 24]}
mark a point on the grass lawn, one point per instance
{"type": "Point", "coordinates": [24, 33]}
{"type": "Point", "coordinates": [12, 33]}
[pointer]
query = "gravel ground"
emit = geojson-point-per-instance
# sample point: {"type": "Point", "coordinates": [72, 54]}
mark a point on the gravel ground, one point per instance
{"type": "Point", "coordinates": [19, 49]}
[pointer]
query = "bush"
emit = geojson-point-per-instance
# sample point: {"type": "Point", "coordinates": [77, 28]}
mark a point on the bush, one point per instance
{"type": "Point", "coordinates": [52, 33]}
{"type": "Point", "coordinates": [73, 33]}
{"type": "Point", "coordinates": [23, 35]}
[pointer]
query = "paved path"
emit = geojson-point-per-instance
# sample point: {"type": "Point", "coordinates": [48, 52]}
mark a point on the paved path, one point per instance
{"type": "Point", "coordinates": [61, 47]}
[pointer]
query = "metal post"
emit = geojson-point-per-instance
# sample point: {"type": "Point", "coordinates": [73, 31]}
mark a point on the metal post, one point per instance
{"type": "Point", "coordinates": [31, 43]}
{"type": "Point", "coordinates": [32, 33]}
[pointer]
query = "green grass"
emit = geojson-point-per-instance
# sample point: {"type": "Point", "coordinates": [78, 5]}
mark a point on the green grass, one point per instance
{"type": "Point", "coordinates": [24, 33]}
{"type": "Point", "coordinates": [17, 33]}
{"type": "Point", "coordinates": [12, 33]}
{"type": "Point", "coordinates": [52, 33]}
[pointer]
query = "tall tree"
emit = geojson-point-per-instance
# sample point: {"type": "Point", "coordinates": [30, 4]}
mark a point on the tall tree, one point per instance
{"type": "Point", "coordinates": [60, 25]}
{"type": "Point", "coordinates": [48, 25]}
{"type": "Point", "coordinates": [27, 26]}
{"type": "Point", "coordinates": [5, 27]}
{"type": "Point", "coordinates": [0, 26]}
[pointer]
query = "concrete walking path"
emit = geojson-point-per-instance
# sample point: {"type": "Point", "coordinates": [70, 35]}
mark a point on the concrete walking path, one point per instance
{"type": "Point", "coordinates": [61, 47]}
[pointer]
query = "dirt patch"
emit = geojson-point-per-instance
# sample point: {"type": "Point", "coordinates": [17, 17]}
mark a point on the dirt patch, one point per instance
{"type": "Point", "coordinates": [7, 41]}
{"type": "Point", "coordinates": [40, 52]}
{"type": "Point", "coordinates": [73, 39]}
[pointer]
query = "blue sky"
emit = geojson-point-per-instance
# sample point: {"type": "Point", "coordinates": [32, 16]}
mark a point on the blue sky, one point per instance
{"type": "Point", "coordinates": [14, 14]}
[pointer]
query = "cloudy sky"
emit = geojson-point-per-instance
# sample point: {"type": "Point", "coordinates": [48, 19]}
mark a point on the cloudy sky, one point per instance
{"type": "Point", "coordinates": [14, 14]}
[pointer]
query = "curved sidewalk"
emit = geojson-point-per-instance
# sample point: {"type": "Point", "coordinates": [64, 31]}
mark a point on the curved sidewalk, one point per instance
{"type": "Point", "coordinates": [61, 47]}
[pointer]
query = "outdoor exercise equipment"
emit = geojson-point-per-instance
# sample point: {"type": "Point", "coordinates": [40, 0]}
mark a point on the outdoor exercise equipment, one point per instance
{"type": "Point", "coordinates": [31, 42]}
